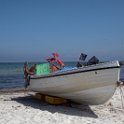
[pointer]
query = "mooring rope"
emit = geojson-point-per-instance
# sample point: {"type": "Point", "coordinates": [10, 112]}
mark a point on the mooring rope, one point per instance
{"type": "Point", "coordinates": [122, 96]}
{"type": "Point", "coordinates": [120, 85]}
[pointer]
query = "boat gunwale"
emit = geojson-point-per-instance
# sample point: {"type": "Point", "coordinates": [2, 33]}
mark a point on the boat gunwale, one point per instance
{"type": "Point", "coordinates": [75, 71]}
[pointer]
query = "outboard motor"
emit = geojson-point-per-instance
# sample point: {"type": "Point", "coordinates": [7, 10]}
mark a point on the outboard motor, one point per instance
{"type": "Point", "coordinates": [93, 60]}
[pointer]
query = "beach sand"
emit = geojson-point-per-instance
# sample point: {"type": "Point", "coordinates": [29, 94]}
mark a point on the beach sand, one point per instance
{"type": "Point", "coordinates": [22, 108]}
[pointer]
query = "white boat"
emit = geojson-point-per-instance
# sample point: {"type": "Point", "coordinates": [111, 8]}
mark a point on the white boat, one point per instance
{"type": "Point", "coordinates": [93, 84]}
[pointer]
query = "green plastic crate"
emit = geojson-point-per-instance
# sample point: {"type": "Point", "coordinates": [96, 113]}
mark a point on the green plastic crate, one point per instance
{"type": "Point", "coordinates": [43, 69]}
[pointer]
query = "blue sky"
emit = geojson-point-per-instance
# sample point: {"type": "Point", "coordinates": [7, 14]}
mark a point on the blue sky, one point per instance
{"type": "Point", "coordinates": [33, 29]}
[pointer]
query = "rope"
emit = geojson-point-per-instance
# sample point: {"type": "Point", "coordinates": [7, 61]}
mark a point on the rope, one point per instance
{"type": "Point", "coordinates": [120, 84]}
{"type": "Point", "coordinates": [122, 97]}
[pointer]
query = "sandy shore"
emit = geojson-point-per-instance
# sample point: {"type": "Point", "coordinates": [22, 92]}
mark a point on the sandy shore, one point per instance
{"type": "Point", "coordinates": [22, 108]}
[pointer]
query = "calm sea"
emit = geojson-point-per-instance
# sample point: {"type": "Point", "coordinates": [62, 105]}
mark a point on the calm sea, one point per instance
{"type": "Point", "coordinates": [11, 74]}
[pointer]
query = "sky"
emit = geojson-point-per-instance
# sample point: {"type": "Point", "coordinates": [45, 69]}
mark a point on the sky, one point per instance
{"type": "Point", "coordinates": [30, 30]}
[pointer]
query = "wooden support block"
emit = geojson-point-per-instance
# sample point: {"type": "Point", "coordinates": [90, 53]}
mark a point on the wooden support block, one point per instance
{"type": "Point", "coordinates": [39, 96]}
{"type": "Point", "coordinates": [55, 100]}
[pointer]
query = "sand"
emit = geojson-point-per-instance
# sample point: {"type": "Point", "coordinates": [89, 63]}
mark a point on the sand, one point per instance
{"type": "Point", "coordinates": [22, 108]}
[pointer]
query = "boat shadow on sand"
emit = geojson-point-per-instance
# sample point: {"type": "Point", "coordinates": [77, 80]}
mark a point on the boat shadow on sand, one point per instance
{"type": "Point", "coordinates": [29, 101]}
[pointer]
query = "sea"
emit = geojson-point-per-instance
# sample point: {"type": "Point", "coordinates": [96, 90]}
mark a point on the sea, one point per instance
{"type": "Point", "coordinates": [11, 74]}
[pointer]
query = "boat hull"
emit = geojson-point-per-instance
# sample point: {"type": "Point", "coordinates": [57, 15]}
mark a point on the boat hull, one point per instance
{"type": "Point", "coordinates": [94, 86]}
